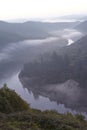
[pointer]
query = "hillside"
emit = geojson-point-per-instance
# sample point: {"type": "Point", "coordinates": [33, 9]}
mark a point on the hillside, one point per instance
{"type": "Point", "coordinates": [11, 102]}
{"type": "Point", "coordinates": [34, 30]}
{"type": "Point", "coordinates": [15, 32]}
{"type": "Point", "coordinates": [82, 27]}
{"type": "Point", "coordinates": [31, 119]}
{"type": "Point", "coordinates": [28, 31]}
{"type": "Point", "coordinates": [60, 76]}
{"type": "Point", "coordinates": [43, 26]}
{"type": "Point", "coordinates": [69, 59]}
{"type": "Point", "coordinates": [8, 37]}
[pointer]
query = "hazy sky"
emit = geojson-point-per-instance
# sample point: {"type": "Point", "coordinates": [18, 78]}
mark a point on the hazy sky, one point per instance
{"type": "Point", "coordinates": [11, 9]}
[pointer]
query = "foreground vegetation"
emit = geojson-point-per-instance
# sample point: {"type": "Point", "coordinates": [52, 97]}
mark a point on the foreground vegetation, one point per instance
{"type": "Point", "coordinates": [15, 114]}
{"type": "Point", "coordinates": [10, 101]}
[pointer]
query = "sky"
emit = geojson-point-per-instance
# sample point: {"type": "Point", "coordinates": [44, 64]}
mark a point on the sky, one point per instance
{"type": "Point", "coordinates": [13, 9]}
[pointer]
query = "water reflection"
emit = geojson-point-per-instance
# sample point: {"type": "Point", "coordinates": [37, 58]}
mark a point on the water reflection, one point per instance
{"type": "Point", "coordinates": [12, 58]}
{"type": "Point", "coordinates": [70, 41]}
{"type": "Point", "coordinates": [41, 102]}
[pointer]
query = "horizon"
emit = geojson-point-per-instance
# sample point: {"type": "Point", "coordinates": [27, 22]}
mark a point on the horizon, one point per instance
{"type": "Point", "coordinates": [62, 18]}
{"type": "Point", "coordinates": [30, 9]}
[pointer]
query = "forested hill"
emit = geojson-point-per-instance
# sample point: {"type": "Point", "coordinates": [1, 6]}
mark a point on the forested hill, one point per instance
{"type": "Point", "coordinates": [8, 37]}
{"type": "Point", "coordinates": [68, 63]}
{"type": "Point", "coordinates": [60, 76]}
{"type": "Point", "coordinates": [82, 27]}
{"type": "Point", "coordinates": [28, 31]}
{"type": "Point", "coordinates": [15, 32]}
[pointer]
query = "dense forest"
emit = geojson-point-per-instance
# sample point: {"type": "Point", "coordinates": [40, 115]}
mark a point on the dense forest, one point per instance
{"type": "Point", "coordinates": [16, 114]}
{"type": "Point", "coordinates": [61, 76]}
{"type": "Point", "coordinates": [68, 63]}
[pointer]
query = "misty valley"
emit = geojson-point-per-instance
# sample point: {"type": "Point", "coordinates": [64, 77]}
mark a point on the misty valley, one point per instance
{"type": "Point", "coordinates": [46, 63]}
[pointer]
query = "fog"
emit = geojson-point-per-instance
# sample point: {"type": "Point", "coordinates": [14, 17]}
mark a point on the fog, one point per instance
{"type": "Point", "coordinates": [44, 44]}
{"type": "Point", "coordinates": [68, 33]}
{"type": "Point", "coordinates": [14, 55]}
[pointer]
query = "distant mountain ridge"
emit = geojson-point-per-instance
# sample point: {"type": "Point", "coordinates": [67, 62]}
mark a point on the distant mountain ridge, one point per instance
{"type": "Point", "coordinates": [14, 32]}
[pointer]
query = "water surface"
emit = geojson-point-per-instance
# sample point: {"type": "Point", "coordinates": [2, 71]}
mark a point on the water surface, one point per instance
{"type": "Point", "coordinates": [12, 59]}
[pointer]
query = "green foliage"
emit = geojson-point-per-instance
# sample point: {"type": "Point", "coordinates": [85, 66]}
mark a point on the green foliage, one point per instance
{"type": "Point", "coordinates": [37, 120]}
{"type": "Point", "coordinates": [22, 117]}
{"type": "Point", "coordinates": [80, 117]}
{"type": "Point", "coordinates": [10, 101]}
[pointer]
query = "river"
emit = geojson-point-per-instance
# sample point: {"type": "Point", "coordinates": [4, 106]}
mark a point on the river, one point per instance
{"type": "Point", "coordinates": [40, 102]}
{"type": "Point", "coordinates": [12, 58]}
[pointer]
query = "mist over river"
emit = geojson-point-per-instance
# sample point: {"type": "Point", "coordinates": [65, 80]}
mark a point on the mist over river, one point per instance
{"type": "Point", "coordinates": [15, 55]}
